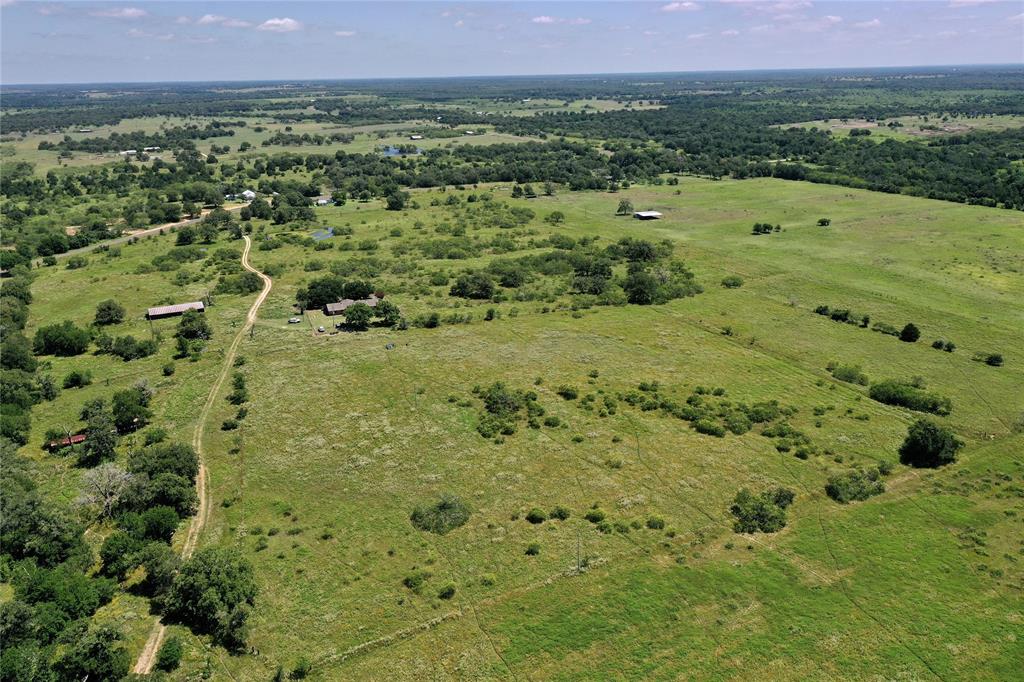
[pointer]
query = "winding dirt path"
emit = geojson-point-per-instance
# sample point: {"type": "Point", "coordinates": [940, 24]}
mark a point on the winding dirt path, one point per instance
{"type": "Point", "coordinates": [144, 665]}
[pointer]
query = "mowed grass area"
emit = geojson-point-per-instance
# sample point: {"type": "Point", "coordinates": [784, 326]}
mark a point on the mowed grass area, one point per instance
{"type": "Point", "coordinates": [345, 437]}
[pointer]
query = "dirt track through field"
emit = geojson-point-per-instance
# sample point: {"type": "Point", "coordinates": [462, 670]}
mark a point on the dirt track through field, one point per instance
{"type": "Point", "coordinates": [147, 658]}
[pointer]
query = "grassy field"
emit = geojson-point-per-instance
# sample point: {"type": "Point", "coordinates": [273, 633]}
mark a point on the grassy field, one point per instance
{"type": "Point", "coordinates": [916, 127]}
{"type": "Point", "coordinates": [346, 435]}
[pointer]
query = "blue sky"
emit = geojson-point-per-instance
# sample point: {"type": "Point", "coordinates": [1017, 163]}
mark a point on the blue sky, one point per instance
{"type": "Point", "coordinates": [75, 42]}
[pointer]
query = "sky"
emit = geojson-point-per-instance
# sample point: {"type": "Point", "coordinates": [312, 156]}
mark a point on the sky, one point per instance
{"type": "Point", "coordinates": [140, 41]}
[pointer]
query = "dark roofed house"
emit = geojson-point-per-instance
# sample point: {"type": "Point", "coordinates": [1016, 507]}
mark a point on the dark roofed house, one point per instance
{"type": "Point", "coordinates": [339, 307]}
{"type": "Point", "coordinates": [174, 310]}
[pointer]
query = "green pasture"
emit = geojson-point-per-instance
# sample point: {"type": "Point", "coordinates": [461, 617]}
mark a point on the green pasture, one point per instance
{"type": "Point", "coordinates": [345, 436]}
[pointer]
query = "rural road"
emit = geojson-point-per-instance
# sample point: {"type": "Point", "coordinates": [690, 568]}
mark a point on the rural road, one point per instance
{"type": "Point", "coordinates": [144, 664]}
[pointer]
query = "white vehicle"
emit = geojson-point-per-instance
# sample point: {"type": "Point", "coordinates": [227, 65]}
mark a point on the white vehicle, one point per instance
{"type": "Point", "coordinates": [294, 320]}
{"type": "Point", "coordinates": [321, 329]}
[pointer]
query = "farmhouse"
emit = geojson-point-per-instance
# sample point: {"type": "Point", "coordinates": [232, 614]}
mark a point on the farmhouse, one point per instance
{"type": "Point", "coordinates": [339, 307]}
{"type": "Point", "coordinates": [248, 194]}
{"type": "Point", "coordinates": [173, 310]}
{"type": "Point", "coordinates": [65, 442]}
{"type": "Point", "coordinates": [646, 215]}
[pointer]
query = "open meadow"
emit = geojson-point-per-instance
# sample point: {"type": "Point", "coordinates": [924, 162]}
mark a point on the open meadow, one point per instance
{"type": "Point", "coordinates": [632, 568]}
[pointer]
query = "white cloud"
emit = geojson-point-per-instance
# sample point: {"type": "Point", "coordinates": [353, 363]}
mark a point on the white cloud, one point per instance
{"type": "Point", "coordinates": [201, 40]}
{"type": "Point", "coordinates": [280, 25]}
{"type": "Point", "coordinates": [970, 3]}
{"type": "Point", "coordinates": [121, 13]}
{"type": "Point", "coordinates": [344, 34]}
{"type": "Point", "coordinates": [208, 19]}
{"type": "Point", "coordinates": [236, 23]}
{"type": "Point", "coordinates": [696, 36]}
{"type": "Point", "coordinates": [651, 33]}
{"type": "Point", "coordinates": [136, 33]}
{"type": "Point", "coordinates": [183, 20]}
{"type": "Point", "coordinates": [680, 7]}
{"type": "Point", "coordinates": [460, 23]}
{"type": "Point", "coordinates": [947, 34]}
{"type": "Point", "coordinates": [48, 10]}
{"type": "Point", "coordinates": [6, 3]}
{"type": "Point", "coordinates": [731, 32]}
{"type": "Point", "coordinates": [874, 23]}
{"type": "Point", "coordinates": [1016, 18]}
{"type": "Point", "coordinates": [544, 19]}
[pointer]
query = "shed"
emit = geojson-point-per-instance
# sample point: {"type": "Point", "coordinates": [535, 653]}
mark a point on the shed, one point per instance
{"type": "Point", "coordinates": [174, 310]}
{"type": "Point", "coordinates": [322, 202]}
{"type": "Point", "coordinates": [65, 442]}
{"type": "Point", "coordinates": [415, 137]}
{"type": "Point", "coordinates": [339, 307]}
{"type": "Point", "coordinates": [646, 215]}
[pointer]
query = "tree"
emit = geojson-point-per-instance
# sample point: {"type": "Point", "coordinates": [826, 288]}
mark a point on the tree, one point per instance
{"type": "Point", "coordinates": [396, 201]}
{"type": "Point", "coordinates": [321, 291]}
{"type": "Point", "coordinates": [212, 592]}
{"type": "Point", "coordinates": [99, 655]}
{"type": "Point", "coordinates": [193, 326]}
{"type": "Point", "coordinates": [929, 444]}
{"type": "Point", "coordinates": [549, 189]}
{"type": "Point", "coordinates": [130, 409]}
{"type": "Point", "coordinates": [641, 287]}
{"type": "Point", "coordinates": [555, 218]}
{"type": "Point", "coordinates": [388, 313]}
{"type": "Point", "coordinates": [103, 487]}
{"type": "Point", "coordinates": [63, 339]}
{"type": "Point", "coordinates": [16, 353]}
{"type": "Point", "coordinates": [473, 285]}
{"type": "Point", "coordinates": [765, 512]}
{"type": "Point", "coordinates": [358, 315]}
{"type": "Point", "coordinates": [100, 435]}
{"type": "Point", "coordinates": [625, 207]}
{"type": "Point", "coordinates": [910, 333]}
{"type": "Point", "coordinates": [109, 312]}
{"type": "Point", "coordinates": [119, 554]}
{"type": "Point", "coordinates": [169, 657]}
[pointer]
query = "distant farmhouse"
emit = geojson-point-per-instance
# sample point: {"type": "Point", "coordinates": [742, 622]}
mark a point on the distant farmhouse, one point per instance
{"type": "Point", "coordinates": [174, 310]}
{"type": "Point", "coordinates": [339, 307]}
{"type": "Point", "coordinates": [646, 215]}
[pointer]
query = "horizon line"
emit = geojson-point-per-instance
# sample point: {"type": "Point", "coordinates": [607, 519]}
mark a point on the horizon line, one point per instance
{"type": "Point", "coordinates": [524, 76]}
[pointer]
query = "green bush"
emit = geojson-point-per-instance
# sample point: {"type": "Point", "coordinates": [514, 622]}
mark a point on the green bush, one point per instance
{"type": "Point", "coordinates": [905, 394]}
{"type": "Point", "coordinates": [655, 522]}
{"type": "Point", "coordinates": [851, 374]}
{"type": "Point", "coordinates": [536, 516]}
{"type": "Point", "coordinates": [533, 549]}
{"type": "Point", "coordinates": [567, 392]}
{"type": "Point", "coordinates": [77, 378]}
{"type": "Point", "coordinates": [854, 486]}
{"type": "Point", "coordinates": [560, 513]}
{"type": "Point", "coordinates": [732, 282]}
{"type": "Point", "coordinates": [764, 513]}
{"type": "Point", "coordinates": [929, 444]}
{"type": "Point", "coordinates": [415, 580]}
{"type": "Point", "coordinates": [170, 654]}
{"type": "Point", "coordinates": [443, 516]}
{"type": "Point", "coordinates": [446, 592]}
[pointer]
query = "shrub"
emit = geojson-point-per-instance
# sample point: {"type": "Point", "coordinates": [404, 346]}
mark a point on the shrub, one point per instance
{"type": "Point", "coordinates": [655, 523]}
{"type": "Point", "coordinates": [445, 515]}
{"type": "Point", "coordinates": [765, 512]}
{"type": "Point", "coordinates": [532, 549]}
{"type": "Point", "coordinates": [476, 285]}
{"type": "Point", "coordinates": [560, 513]}
{"type": "Point", "coordinates": [169, 657]}
{"type": "Point", "coordinates": [77, 379]}
{"type": "Point", "coordinates": [301, 670]}
{"type": "Point", "coordinates": [904, 394]}
{"type": "Point", "coordinates": [854, 485]}
{"type": "Point", "coordinates": [824, 222]}
{"type": "Point", "coordinates": [709, 428]}
{"type": "Point", "coordinates": [929, 444]}
{"type": "Point", "coordinates": [567, 392]}
{"type": "Point", "coordinates": [552, 421]}
{"type": "Point", "coordinates": [229, 425]}
{"type": "Point", "coordinates": [594, 515]}
{"type": "Point", "coordinates": [536, 516]}
{"type": "Point", "coordinates": [994, 359]}
{"type": "Point", "coordinates": [851, 374]}
{"type": "Point", "coordinates": [109, 312]}
{"type": "Point", "coordinates": [415, 580]}
{"type": "Point", "coordinates": [910, 333]}
{"type": "Point", "coordinates": [446, 592]}
{"type": "Point", "coordinates": [732, 282]}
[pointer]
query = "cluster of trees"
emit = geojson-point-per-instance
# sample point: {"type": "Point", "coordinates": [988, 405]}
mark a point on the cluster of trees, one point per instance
{"type": "Point", "coordinates": [296, 140]}
{"type": "Point", "coordinates": [911, 395]}
{"type": "Point", "coordinates": [172, 138]}
{"type": "Point", "coordinates": [762, 513]}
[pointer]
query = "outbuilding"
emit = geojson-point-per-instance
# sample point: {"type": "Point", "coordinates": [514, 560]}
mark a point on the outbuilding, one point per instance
{"type": "Point", "coordinates": [66, 442]}
{"type": "Point", "coordinates": [415, 137]}
{"type": "Point", "coordinates": [174, 310]}
{"type": "Point", "coordinates": [646, 215]}
{"type": "Point", "coordinates": [248, 194]}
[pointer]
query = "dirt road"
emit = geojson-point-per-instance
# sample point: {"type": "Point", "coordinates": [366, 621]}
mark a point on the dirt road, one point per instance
{"type": "Point", "coordinates": [147, 658]}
